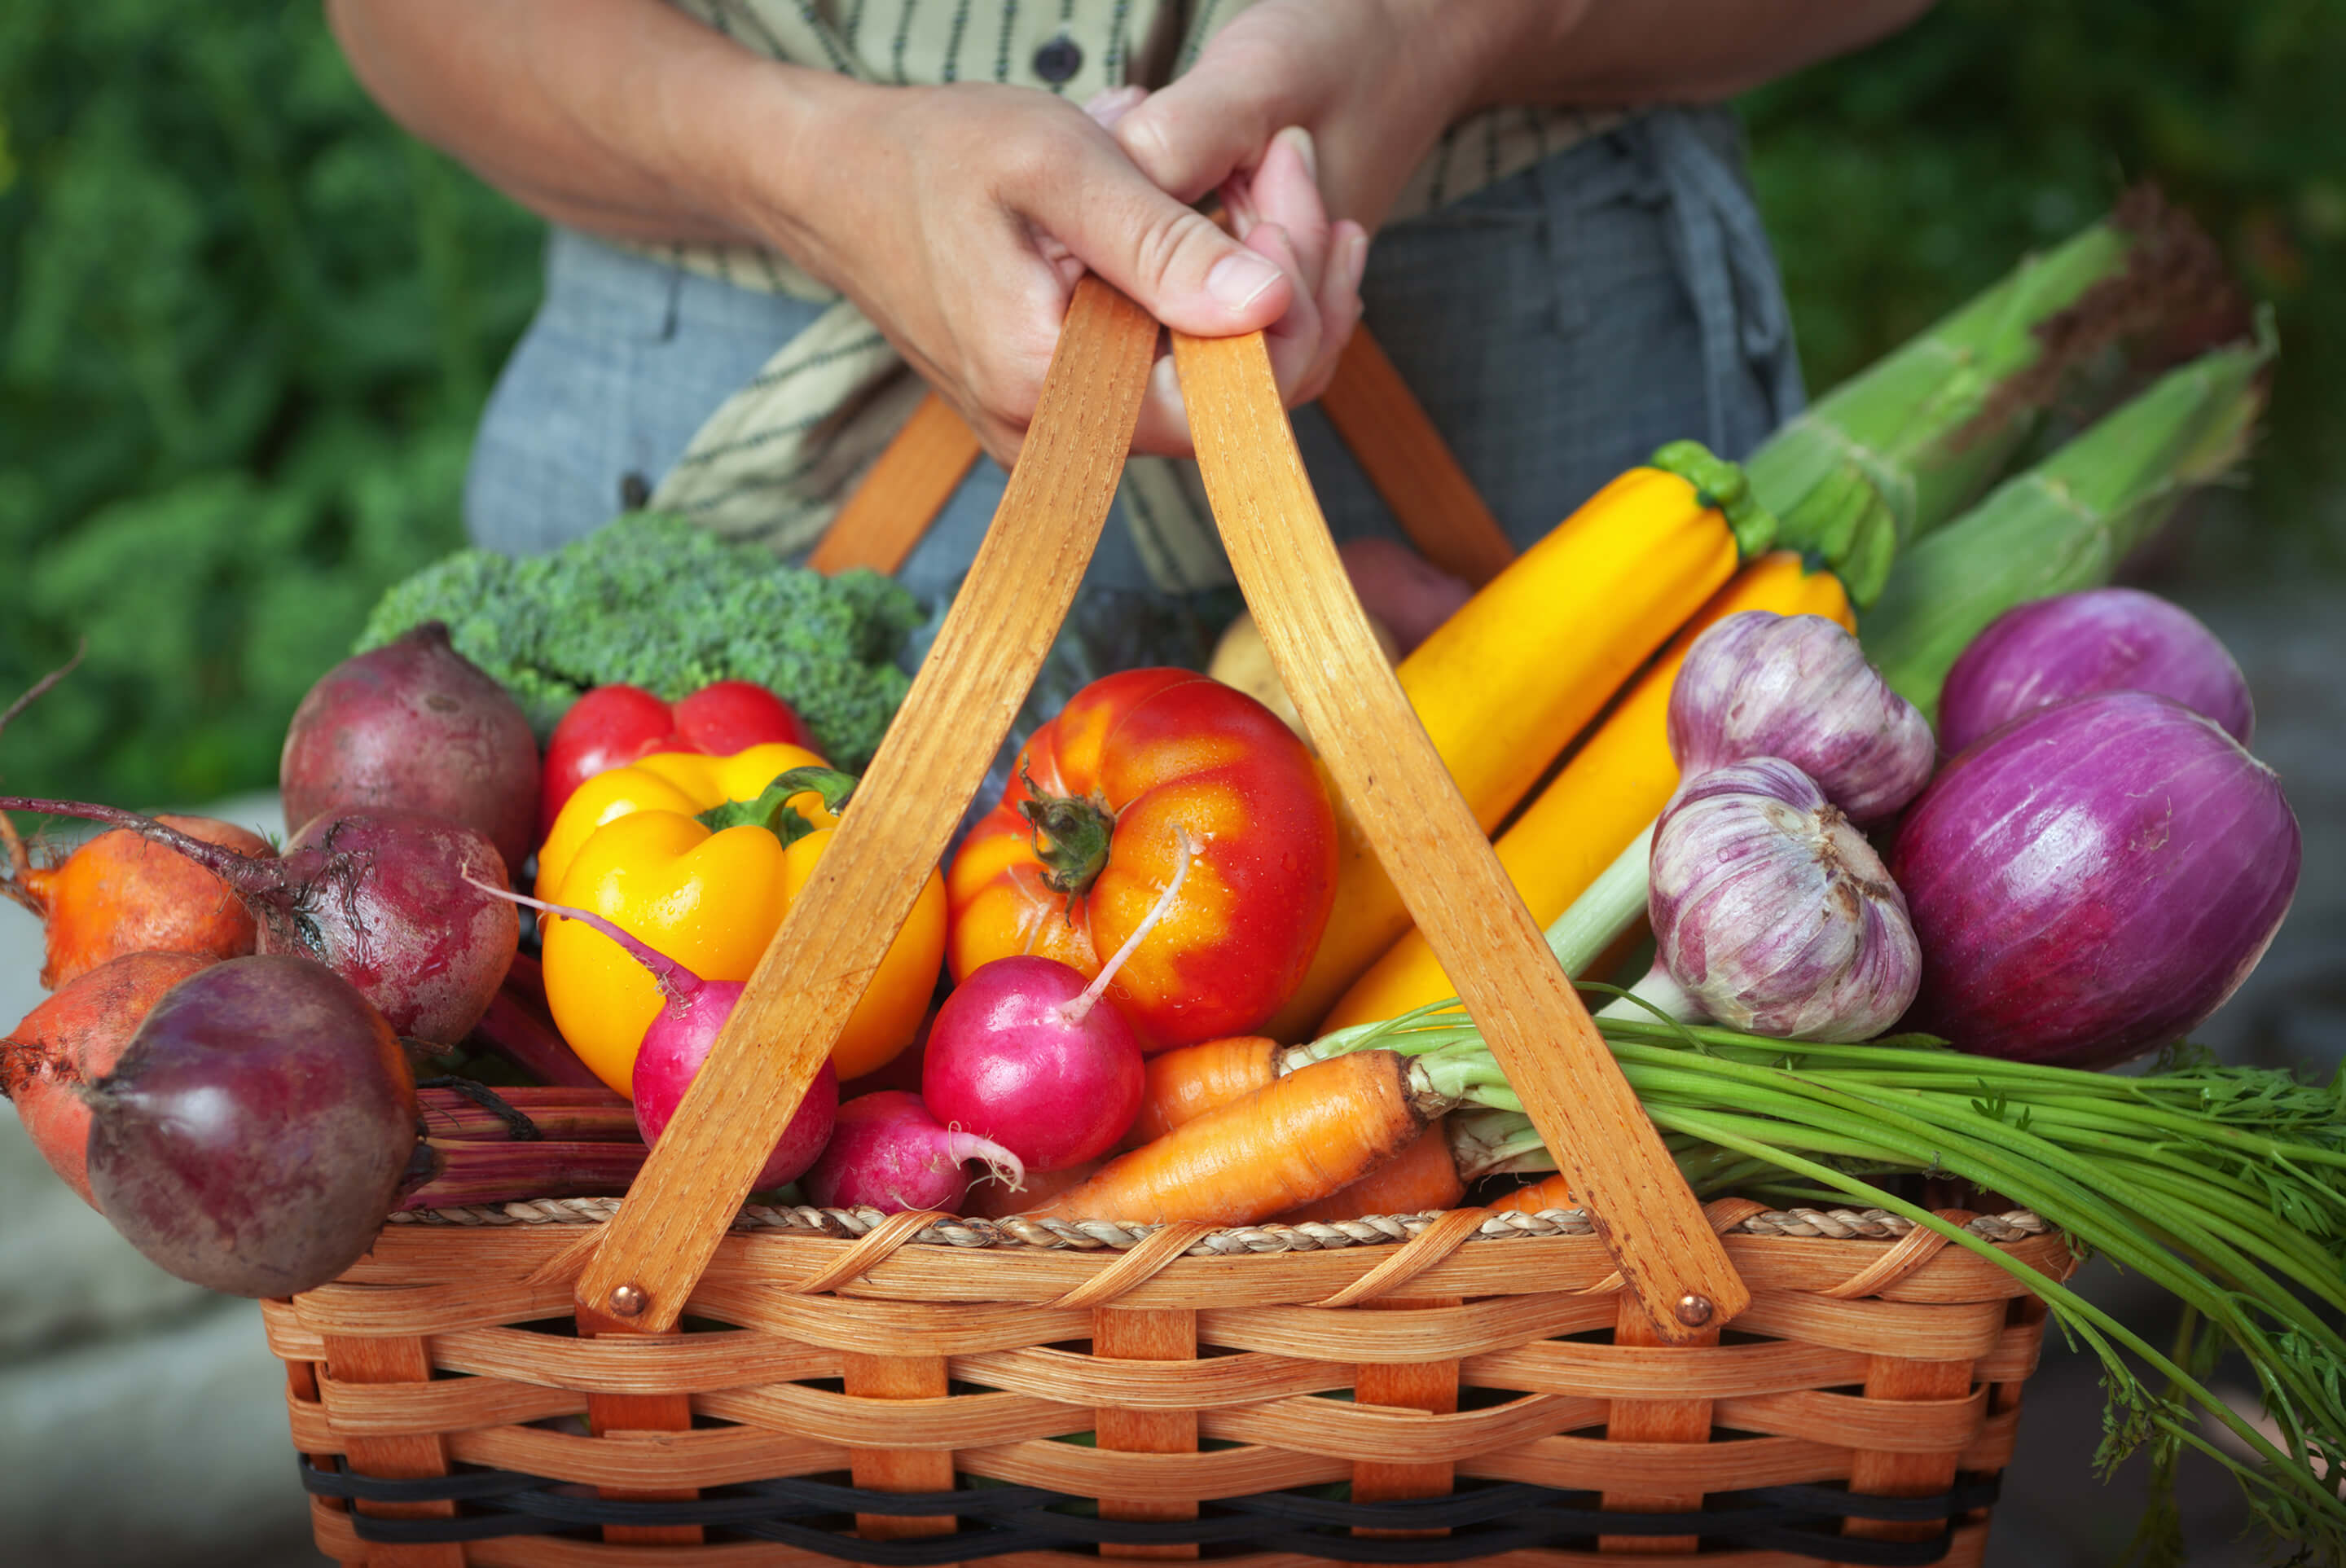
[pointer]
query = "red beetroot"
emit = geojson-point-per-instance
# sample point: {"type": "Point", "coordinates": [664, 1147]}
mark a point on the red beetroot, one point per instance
{"type": "Point", "coordinates": [414, 725]}
{"type": "Point", "coordinates": [612, 725]}
{"type": "Point", "coordinates": [888, 1153]}
{"type": "Point", "coordinates": [256, 1128]}
{"type": "Point", "coordinates": [120, 894]}
{"type": "Point", "coordinates": [382, 898]}
{"type": "Point", "coordinates": [679, 1041]}
{"type": "Point", "coordinates": [75, 1037]}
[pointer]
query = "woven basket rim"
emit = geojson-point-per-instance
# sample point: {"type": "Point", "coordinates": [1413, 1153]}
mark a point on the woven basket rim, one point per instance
{"type": "Point", "coordinates": [1017, 1232]}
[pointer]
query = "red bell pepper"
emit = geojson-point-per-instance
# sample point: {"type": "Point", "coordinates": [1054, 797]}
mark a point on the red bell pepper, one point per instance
{"type": "Point", "coordinates": [612, 725]}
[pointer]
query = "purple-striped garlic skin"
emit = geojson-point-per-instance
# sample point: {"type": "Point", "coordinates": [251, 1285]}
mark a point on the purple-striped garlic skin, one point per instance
{"type": "Point", "coordinates": [1758, 683]}
{"type": "Point", "coordinates": [1774, 913]}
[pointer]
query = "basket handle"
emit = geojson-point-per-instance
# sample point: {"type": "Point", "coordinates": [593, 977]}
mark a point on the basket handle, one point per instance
{"type": "Point", "coordinates": [1427, 839]}
{"type": "Point", "coordinates": [1372, 408]}
{"type": "Point", "coordinates": [895, 828]}
{"type": "Point", "coordinates": [952, 721]}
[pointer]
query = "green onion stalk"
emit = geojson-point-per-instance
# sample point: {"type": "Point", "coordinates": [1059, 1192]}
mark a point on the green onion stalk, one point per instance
{"type": "Point", "coordinates": [2066, 524]}
{"type": "Point", "coordinates": [1903, 446]}
{"type": "Point", "coordinates": [2225, 1186]}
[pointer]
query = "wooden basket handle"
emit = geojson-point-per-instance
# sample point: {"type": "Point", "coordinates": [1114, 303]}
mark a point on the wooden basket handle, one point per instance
{"type": "Point", "coordinates": [895, 829]}
{"type": "Point", "coordinates": [1372, 408]}
{"type": "Point", "coordinates": [1431, 847]}
{"type": "Point", "coordinates": [953, 720]}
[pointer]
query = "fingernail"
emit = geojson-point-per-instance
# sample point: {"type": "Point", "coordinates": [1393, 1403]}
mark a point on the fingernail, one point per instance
{"type": "Point", "coordinates": [1301, 140]}
{"type": "Point", "coordinates": [1356, 257]}
{"type": "Point", "coordinates": [1239, 278]}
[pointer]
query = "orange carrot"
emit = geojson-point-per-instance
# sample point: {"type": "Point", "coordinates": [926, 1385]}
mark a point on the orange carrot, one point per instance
{"type": "Point", "coordinates": [1295, 1140]}
{"type": "Point", "coordinates": [1552, 1192]}
{"type": "Point", "coordinates": [1422, 1176]}
{"type": "Point", "coordinates": [1184, 1083]}
{"type": "Point", "coordinates": [992, 1199]}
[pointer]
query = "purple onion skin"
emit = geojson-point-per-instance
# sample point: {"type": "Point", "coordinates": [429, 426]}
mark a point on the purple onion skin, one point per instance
{"type": "Point", "coordinates": [1758, 683]}
{"type": "Point", "coordinates": [2104, 639]}
{"type": "Point", "coordinates": [1774, 913]}
{"type": "Point", "coordinates": [381, 897]}
{"type": "Point", "coordinates": [256, 1131]}
{"type": "Point", "coordinates": [2093, 879]}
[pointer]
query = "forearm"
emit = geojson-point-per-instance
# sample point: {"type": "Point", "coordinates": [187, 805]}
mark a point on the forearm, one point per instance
{"type": "Point", "coordinates": [623, 117]}
{"type": "Point", "coordinates": [1629, 52]}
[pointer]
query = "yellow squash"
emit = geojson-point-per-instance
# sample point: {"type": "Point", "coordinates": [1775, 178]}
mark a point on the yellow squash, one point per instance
{"type": "Point", "coordinates": [1505, 685]}
{"type": "Point", "coordinates": [1615, 784]}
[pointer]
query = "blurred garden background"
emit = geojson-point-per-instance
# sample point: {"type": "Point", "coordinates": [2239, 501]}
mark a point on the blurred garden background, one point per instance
{"type": "Point", "coordinates": [246, 323]}
{"type": "Point", "coordinates": [246, 326]}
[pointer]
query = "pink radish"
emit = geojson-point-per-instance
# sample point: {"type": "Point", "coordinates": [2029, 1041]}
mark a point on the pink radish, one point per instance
{"type": "Point", "coordinates": [1023, 1052]}
{"type": "Point", "coordinates": [888, 1153]}
{"type": "Point", "coordinates": [677, 1042]}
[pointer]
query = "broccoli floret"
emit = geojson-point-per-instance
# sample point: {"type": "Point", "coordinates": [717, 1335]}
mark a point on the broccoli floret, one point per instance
{"type": "Point", "coordinates": [655, 600]}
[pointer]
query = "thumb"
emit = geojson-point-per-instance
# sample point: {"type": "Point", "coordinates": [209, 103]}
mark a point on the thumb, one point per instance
{"type": "Point", "coordinates": [1175, 262]}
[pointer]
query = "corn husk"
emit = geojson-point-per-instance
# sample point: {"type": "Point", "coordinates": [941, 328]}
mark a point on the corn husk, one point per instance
{"type": "Point", "coordinates": [2067, 523]}
{"type": "Point", "coordinates": [1893, 453]}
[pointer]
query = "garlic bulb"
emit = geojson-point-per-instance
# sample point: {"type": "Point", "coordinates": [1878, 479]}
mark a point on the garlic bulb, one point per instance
{"type": "Point", "coordinates": [1758, 683]}
{"type": "Point", "coordinates": [1773, 915]}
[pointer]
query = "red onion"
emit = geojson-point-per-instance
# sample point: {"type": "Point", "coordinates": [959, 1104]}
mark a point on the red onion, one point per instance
{"type": "Point", "coordinates": [1772, 914]}
{"type": "Point", "coordinates": [2093, 879]}
{"type": "Point", "coordinates": [1758, 683]}
{"type": "Point", "coordinates": [2105, 640]}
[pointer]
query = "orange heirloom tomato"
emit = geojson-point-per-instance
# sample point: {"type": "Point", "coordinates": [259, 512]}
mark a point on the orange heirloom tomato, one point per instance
{"type": "Point", "coordinates": [629, 846]}
{"type": "Point", "coordinates": [1091, 831]}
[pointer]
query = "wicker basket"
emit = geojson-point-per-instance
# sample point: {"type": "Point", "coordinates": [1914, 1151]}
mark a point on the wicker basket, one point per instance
{"type": "Point", "coordinates": [677, 1380]}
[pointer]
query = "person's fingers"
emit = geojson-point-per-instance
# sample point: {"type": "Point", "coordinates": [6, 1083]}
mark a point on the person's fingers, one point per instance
{"type": "Point", "coordinates": [1295, 340]}
{"type": "Point", "coordinates": [1339, 306]}
{"type": "Point", "coordinates": [1194, 134]}
{"type": "Point", "coordinates": [1163, 430]}
{"type": "Point", "coordinates": [1112, 103]}
{"type": "Point", "coordinates": [1173, 260]}
{"type": "Point", "coordinates": [1284, 189]}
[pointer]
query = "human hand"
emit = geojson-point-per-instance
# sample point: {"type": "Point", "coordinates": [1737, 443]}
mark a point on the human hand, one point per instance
{"type": "Point", "coordinates": [1374, 82]}
{"type": "Point", "coordinates": [960, 217]}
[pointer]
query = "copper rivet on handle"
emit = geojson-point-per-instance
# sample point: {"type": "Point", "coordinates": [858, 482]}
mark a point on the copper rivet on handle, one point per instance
{"type": "Point", "coordinates": [1694, 1311]}
{"type": "Point", "coordinates": [630, 1302]}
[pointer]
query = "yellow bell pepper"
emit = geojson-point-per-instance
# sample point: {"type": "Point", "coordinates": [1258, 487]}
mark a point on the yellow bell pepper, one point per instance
{"type": "Point", "coordinates": [629, 846]}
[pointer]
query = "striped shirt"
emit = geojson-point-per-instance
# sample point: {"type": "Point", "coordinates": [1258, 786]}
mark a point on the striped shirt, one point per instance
{"type": "Point", "coordinates": [773, 461]}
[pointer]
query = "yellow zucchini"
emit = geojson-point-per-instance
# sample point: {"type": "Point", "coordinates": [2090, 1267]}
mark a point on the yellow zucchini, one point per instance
{"type": "Point", "coordinates": [1505, 685]}
{"type": "Point", "coordinates": [1614, 786]}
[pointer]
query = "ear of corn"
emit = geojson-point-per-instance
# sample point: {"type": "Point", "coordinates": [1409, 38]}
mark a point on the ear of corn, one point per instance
{"type": "Point", "coordinates": [1897, 450]}
{"type": "Point", "coordinates": [2067, 523]}
{"type": "Point", "coordinates": [1507, 682]}
{"type": "Point", "coordinates": [1615, 785]}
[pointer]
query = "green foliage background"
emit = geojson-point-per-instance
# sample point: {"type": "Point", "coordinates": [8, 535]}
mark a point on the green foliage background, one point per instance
{"type": "Point", "coordinates": [246, 324]}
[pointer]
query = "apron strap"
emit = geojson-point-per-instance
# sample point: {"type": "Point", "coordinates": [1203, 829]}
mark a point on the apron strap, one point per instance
{"type": "Point", "coordinates": [1731, 278]}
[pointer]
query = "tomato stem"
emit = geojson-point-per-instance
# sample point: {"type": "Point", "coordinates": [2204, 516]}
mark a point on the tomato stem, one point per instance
{"type": "Point", "coordinates": [1071, 839]}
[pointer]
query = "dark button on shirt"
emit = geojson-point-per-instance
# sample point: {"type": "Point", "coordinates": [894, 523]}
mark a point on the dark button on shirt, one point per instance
{"type": "Point", "coordinates": [1059, 60]}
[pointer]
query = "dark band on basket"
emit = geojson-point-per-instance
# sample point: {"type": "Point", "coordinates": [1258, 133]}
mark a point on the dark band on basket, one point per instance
{"type": "Point", "coordinates": [1482, 1520]}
